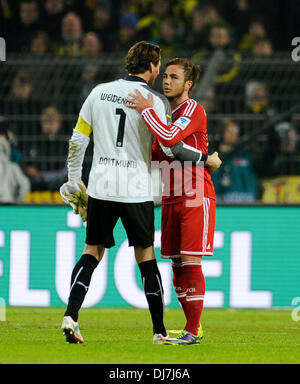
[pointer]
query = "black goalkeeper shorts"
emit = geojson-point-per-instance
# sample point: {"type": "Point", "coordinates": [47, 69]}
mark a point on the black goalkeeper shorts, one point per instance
{"type": "Point", "coordinates": [137, 219]}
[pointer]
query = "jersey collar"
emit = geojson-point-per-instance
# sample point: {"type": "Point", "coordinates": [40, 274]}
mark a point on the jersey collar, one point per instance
{"type": "Point", "coordinates": [179, 106]}
{"type": "Point", "coordinates": [135, 78]}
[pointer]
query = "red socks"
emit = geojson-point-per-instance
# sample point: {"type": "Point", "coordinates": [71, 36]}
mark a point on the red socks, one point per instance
{"type": "Point", "coordinates": [189, 284]}
{"type": "Point", "coordinates": [179, 284]}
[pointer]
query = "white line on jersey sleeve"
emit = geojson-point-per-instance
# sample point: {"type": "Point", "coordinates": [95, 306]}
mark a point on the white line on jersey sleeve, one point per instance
{"type": "Point", "coordinates": [164, 133]}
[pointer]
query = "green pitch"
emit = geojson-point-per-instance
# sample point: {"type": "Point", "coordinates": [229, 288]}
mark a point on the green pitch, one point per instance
{"type": "Point", "coordinates": [116, 336]}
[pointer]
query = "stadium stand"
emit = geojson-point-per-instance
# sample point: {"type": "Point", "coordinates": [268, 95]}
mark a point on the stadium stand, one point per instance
{"type": "Point", "coordinates": [58, 50]}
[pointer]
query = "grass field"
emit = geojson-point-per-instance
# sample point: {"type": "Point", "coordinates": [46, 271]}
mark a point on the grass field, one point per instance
{"type": "Point", "coordinates": [123, 336]}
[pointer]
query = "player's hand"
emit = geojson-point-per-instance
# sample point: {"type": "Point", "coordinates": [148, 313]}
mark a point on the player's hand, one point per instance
{"type": "Point", "coordinates": [213, 162]}
{"type": "Point", "coordinates": [74, 194]}
{"type": "Point", "coordinates": [78, 205]}
{"type": "Point", "coordinates": [139, 102]}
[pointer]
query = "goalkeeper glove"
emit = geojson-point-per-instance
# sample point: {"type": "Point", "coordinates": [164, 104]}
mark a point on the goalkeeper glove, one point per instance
{"type": "Point", "coordinates": [74, 194]}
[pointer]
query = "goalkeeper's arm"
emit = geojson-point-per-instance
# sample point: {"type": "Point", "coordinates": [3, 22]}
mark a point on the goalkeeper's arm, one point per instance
{"type": "Point", "coordinates": [74, 191]}
{"type": "Point", "coordinates": [77, 148]}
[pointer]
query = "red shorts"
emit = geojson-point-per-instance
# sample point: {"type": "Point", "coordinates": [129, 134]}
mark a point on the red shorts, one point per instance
{"type": "Point", "coordinates": [188, 230]}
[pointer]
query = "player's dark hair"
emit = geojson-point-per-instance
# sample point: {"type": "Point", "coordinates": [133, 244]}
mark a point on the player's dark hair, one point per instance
{"type": "Point", "coordinates": [140, 56]}
{"type": "Point", "coordinates": [191, 71]}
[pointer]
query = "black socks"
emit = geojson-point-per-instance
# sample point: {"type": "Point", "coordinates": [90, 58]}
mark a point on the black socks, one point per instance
{"type": "Point", "coordinates": [80, 281]}
{"type": "Point", "coordinates": [154, 293]}
{"type": "Point", "coordinates": [81, 278]}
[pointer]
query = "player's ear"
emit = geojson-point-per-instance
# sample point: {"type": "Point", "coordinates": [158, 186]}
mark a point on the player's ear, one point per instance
{"type": "Point", "coordinates": [188, 85]}
{"type": "Point", "coordinates": [151, 67]}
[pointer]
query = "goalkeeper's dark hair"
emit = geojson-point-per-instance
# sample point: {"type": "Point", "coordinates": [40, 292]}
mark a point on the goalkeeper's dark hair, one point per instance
{"type": "Point", "coordinates": [191, 71]}
{"type": "Point", "coordinates": [140, 56]}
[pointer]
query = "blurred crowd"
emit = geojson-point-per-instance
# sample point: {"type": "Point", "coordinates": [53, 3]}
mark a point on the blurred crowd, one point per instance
{"type": "Point", "coordinates": [41, 101]}
{"type": "Point", "coordinates": [93, 27]}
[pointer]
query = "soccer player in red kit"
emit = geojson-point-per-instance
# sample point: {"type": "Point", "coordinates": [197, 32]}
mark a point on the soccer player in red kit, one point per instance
{"type": "Point", "coordinates": [187, 229]}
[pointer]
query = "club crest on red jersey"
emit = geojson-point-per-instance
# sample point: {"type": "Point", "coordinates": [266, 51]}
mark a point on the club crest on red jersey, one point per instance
{"type": "Point", "coordinates": [182, 122]}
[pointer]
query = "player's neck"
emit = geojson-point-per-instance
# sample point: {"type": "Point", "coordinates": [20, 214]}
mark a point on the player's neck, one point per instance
{"type": "Point", "coordinates": [179, 100]}
{"type": "Point", "coordinates": [145, 76]}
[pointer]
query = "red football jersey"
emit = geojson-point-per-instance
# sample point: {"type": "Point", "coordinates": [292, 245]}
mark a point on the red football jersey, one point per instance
{"type": "Point", "coordinates": [190, 126]}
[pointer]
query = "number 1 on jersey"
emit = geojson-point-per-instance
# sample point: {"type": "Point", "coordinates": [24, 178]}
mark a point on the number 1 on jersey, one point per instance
{"type": "Point", "coordinates": [121, 128]}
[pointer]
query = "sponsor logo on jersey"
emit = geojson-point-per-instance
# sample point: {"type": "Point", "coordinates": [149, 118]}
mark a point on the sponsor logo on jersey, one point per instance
{"type": "Point", "coordinates": [182, 122]}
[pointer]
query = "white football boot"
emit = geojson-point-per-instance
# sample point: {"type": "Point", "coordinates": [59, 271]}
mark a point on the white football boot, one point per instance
{"type": "Point", "coordinates": [158, 338]}
{"type": "Point", "coordinates": [71, 331]}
